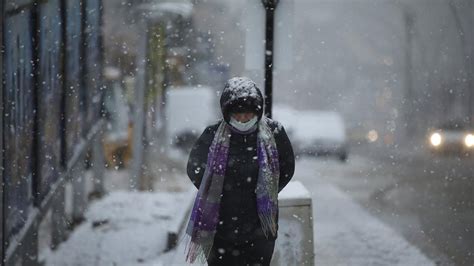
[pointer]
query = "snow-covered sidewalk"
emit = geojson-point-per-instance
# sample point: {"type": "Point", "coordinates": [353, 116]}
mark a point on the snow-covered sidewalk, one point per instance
{"type": "Point", "coordinates": [123, 228]}
{"type": "Point", "coordinates": [346, 234]}
{"type": "Point", "coordinates": [130, 228]}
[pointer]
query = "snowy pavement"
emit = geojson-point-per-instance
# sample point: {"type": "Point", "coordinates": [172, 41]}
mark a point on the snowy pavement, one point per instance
{"type": "Point", "coordinates": [345, 233]}
{"type": "Point", "coordinates": [124, 228]}
{"type": "Point", "coordinates": [129, 228]}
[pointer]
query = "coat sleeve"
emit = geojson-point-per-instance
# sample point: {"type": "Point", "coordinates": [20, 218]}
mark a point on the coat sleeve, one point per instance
{"type": "Point", "coordinates": [286, 157]}
{"type": "Point", "coordinates": [198, 156]}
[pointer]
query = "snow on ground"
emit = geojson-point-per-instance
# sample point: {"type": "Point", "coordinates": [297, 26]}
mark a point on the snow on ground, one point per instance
{"type": "Point", "coordinates": [124, 228]}
{"type": "Point", "coordinates": [345, 233]}
{"type": "Point", "coordinates": [130, 228]}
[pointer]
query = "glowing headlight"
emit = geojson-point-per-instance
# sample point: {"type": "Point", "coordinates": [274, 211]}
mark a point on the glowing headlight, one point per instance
{"type": "Point", "coordinates": [372, 136]}
{"type": "Point", "coordinates": [435, 139]}
{"type": "Point", "coordinates": [469, 140]}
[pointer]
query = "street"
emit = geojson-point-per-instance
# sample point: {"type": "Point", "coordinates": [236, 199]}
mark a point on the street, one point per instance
{"type": "Point", "coordinates": [426, 199]}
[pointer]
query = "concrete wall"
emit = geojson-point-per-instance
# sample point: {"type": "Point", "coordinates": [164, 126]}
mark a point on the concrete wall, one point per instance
{"type": "Point", "coordinates": [295, 244]}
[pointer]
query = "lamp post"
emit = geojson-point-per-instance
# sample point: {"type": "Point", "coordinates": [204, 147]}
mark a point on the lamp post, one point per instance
{"type": "Point", "coordinates": [1, 132]}
{"type": "Point", "coordinates": [270, 6]}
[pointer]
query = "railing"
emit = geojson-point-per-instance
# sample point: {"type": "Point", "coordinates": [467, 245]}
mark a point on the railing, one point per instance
{"type": "Point", "coordinates": [51, 120]}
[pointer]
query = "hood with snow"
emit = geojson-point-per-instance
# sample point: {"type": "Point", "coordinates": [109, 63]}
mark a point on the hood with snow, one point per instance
{"type": "Point", "coordinates": [240, 95]}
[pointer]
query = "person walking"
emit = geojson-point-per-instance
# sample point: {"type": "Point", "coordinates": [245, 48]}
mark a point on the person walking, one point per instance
{"type": "Point", "coordinates": [238, 165]}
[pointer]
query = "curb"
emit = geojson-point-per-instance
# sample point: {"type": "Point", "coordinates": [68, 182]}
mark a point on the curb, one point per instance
{"type": "Point", "coordinates": [177, 228]}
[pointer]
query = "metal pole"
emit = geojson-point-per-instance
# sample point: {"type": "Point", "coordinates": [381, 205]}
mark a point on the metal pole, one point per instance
{"type": "Point", "coordinates": [79, 190]}
{"type": "Point", "coordinates": [166, 80]}
{"type": "Point", "coordinates": [98, 167]}
{"type": "Point", "coordinates": [2, 214]}
{"type": "Point", "coordinates": [77, 172]}
{"type": "Point", "coordinates": [63, 146]}
{"type": "Point", "coordinates": [98, 151]}
{"type": "Point", "coordinates": [270, 6]}
{"type": "Point", "coordinates": [58, 210]}
{"type": "Point", "coordinates": [409, 20]}
{"type": "Point", "coordinates": [32, 245]}
{"type": "Point", "coordinates": [471, 73]}
{"type": "Point", "coordinates": [139, 120]}
{"type": "Point", "coordinates": [467, 57]}
{"type": "Point", "coordinates": [58, 215]}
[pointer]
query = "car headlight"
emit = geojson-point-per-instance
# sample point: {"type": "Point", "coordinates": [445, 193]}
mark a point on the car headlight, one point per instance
{"type": "Point", "coordinates": [469, 140]}
{"type": "Point", "coordinates": [372, 136]}
{"type": "Point", "coordinates": [436, 139]}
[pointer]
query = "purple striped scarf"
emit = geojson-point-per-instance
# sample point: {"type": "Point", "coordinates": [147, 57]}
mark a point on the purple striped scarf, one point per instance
{"type": "Point", "coordinates": [202, 225]}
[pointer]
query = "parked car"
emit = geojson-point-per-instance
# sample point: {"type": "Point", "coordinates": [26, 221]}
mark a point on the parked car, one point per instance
{"type": "Point", "coordinates": [315, 133]}
{"type": "Point", "coordinates": [452, 138]}
{"type": "Point", "coordinates": [188, 111]}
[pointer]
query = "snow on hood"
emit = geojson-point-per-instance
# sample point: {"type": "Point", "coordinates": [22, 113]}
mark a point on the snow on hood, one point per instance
{"type": "Point", "coordinates": [238, 90]}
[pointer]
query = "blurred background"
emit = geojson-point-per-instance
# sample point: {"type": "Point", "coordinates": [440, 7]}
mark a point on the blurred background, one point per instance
{"type": "Point", "coordinates": [388, 66]}
{"type": "Point", "coordinates": [376, 96]}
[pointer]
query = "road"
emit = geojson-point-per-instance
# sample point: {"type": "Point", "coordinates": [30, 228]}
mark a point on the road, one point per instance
{"type": "Point", "coordinates": [429, 200]}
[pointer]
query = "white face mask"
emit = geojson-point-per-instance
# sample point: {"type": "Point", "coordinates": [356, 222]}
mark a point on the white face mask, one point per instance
{"type": "Point", "coordinates": [243, 126]}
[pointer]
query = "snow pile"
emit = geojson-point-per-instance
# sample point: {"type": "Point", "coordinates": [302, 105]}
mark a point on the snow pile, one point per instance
{"type": "Point", "coordinates": [295, 193]}
{"type": "Point", "coordinates": [124, 228]}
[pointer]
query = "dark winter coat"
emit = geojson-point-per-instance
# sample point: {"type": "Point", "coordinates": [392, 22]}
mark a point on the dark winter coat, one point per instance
{"type": "Point", "coordinates": [238, 211]}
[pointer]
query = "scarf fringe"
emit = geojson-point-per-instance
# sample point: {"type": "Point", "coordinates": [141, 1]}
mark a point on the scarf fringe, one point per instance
{"type": "Point", "coordinates": [195, 251]}
{"type": "Point", "coordinates": [268, 221]}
